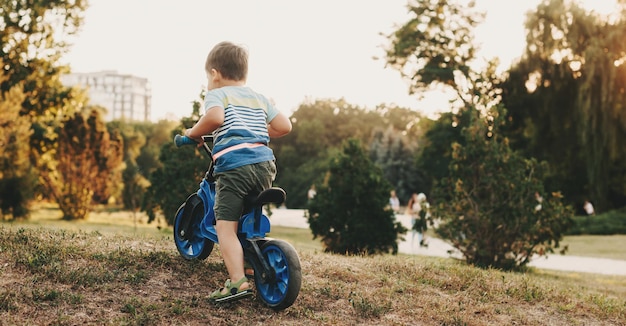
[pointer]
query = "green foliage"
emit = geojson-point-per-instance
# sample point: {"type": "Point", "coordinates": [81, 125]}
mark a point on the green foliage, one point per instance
{"type": "Point", "coordinates": [16, 181]}
{"type": "Point", "coordinates": [435, 49]}
{"type": "Point", "coordinates": [350, 211]}
{"type": "Point", "coordinates": [609, 223]}
{"type": "Point", "coordinates": [108, 157]}
{"type": "Point", "coordinates": [319, 129]}
{"type": "Point", "coordinates": [178, 178]}
{"type": "Point", "coordinates": [436, 45]}
{"type": "Point", "coordinates": [179, 172]}
{"type": "Point", "coordinates": [135, 187]}
{"type": "Point", "coordinates": [30, 51]}
{"type": "Point", "coordinates": [568, 109]}
{"type": "Point", "coordinates": [142, 147]}
{"type": "Point", "coordinates": [29, 31]}
{"type": "Point", "coordinates": [434, 158]}
{"type": "Point", "coordinates": [487, 204]}
{"type": "Point", "coordinates": [392, 152]}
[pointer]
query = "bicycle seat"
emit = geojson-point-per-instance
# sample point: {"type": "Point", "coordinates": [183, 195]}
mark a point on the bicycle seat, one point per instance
{"type": "Point", "coordinates": [273, 195]}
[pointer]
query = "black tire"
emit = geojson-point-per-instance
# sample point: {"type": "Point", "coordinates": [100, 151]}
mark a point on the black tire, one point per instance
{"type": "Point", "coordinates": [282, 292]}
{"type": "Point", "coordinates": [191, 246]}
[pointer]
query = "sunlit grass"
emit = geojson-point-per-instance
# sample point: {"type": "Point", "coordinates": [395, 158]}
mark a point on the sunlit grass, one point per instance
{"type": "Point", "coordinates": [600, 246]}
{"type": "Point", "coordinates": [131, 274]}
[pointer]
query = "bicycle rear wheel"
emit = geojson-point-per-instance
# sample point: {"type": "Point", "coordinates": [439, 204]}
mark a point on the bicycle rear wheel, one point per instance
{"type": "Point", "coordinates": [281, 292]}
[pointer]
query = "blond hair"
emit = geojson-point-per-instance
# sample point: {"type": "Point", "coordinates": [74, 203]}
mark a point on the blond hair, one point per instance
{"type": "Point", "coordinates": [229, 59]}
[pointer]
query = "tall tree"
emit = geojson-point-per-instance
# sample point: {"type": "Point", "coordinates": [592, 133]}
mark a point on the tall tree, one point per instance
{"type": "Point", "coordinates": [568, 95]}
{"type": "Point", "coordinates": [29, 30]}
{"type": "Point", "coordinates": [30, 51]}
{"type": "Point", "coordinates": [436, 47]}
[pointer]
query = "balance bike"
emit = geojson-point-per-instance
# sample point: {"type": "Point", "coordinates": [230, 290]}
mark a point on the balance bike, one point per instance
{"type": "Point", "coordinates": [276, 265]}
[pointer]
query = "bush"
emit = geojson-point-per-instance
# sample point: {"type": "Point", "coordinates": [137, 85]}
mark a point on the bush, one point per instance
{"type": "Point", "coordinates": [609, 223]}
{"type": "Point", "coordinates": [350, 211]}
{"type": "Point", "coordinates": [487, 204]}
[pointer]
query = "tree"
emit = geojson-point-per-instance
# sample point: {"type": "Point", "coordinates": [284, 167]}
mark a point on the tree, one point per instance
{"type": "Point", "coordinates": [16, 184]}
{"type": "Point", "coordinates": [435, 50]}
{"type": "Point", "coordinates": [71, 177]}
{"type": "Point", "coordinates": [178, 177]}
{"type": "Point", "coordinates": [319, 129]}
{"type": "Point", "coordinates": [29, 31]}
{"type": "Point", "coordinates": [485, 197]}
{"type": "Point", "coordinates": [487, 203]}
{"type": "Point", "coordinates": [436, 47]}
{"type": "Point", "coordinates": [142, 143]}
{"type": "Point", "coordinates": [350, 211]}
{"type": "Point", "coordinates": [108, 156]}
{"type": "Point", "coordinates": [29, 54]}
{"type": "Point", "coordinates": [393, 153]}
{"type": "Point", "coordinates": [567, 100]}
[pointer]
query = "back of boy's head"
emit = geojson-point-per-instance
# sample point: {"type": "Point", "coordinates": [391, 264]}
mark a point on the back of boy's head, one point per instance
{"type": "Point", "coordinates": [229, 59]}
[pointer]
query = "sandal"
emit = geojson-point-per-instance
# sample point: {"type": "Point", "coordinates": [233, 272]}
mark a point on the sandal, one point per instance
{"type": "Point", "coordinates": [234, 292]}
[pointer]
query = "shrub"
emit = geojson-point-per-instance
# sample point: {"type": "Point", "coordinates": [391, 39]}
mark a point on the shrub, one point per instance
{"type": "Point", "coordinates": [487, 204]}
{"type": "Point", "coordinates": [609, 223]}
{"type": "Point", "coordinates": [350, 211]}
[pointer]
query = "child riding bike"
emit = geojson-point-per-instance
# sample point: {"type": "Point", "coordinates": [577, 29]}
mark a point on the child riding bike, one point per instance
{"type": "Point", "coordinates": [242, 122]}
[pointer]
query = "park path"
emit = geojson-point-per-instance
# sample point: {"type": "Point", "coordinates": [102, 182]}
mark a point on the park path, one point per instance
{"type": "Point", "coordinates": [436, 247]}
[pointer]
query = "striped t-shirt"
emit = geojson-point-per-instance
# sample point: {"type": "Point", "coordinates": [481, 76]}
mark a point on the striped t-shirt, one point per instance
{"type": "Point", "coordinates": [246, 115]}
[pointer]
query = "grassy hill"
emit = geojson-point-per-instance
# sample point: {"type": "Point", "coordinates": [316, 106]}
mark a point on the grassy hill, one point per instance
{"type": "Point", "coordinates": [102, 274]}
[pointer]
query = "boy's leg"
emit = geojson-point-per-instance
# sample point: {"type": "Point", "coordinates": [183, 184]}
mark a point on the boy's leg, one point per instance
{"type": "Point", "coordinates": [231, 187]}
{"type": "Point", "coordinates": [231, 250]}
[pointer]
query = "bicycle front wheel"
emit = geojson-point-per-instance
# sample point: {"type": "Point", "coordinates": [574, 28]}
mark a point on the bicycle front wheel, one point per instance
{"type": "Point", "coordinates": [191, 245]}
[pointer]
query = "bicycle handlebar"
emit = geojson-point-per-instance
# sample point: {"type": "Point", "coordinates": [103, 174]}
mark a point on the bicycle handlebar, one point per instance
{"type": "Point", "coordinates": [180, 140]}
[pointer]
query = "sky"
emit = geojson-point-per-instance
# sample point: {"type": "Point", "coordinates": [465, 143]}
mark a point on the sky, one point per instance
{"type": "Point", "coordinates": [299, 50]}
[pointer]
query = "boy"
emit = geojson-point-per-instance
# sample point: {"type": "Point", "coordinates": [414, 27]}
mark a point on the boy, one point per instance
{"type": "Point", "coordinates": [242, 122]}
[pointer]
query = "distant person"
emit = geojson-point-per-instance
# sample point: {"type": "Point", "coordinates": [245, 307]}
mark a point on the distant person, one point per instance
{"type": "Point", "coordinates": [588, 207]}
{"type": "Point", "coordinates": [242, 122]}
{"type": "Point", "coordinates": [311, 193]}
{"type": "Point", "coordinates": [539, 200]}
{"type": "Point", "coordinates": [419, 210]}
{"type": "Point", "coordinates": [394, 202]}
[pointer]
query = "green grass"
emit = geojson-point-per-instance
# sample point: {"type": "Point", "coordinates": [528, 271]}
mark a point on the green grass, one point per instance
{"type": "Point", "coordinates": [302, 239]}
{"type": "Point", "coordinates": [111, 271]}
{"type": "Point", "coordinates": [113, 221]}
{"type": "Point", "coordinates": [599, 246]}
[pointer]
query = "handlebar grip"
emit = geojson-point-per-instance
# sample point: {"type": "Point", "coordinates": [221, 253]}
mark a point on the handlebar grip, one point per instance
{"type": "Point", "coordinates": [180, 140]}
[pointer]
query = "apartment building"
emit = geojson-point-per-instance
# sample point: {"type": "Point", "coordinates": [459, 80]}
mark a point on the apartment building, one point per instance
{"type": "Point", "coordinates": [125, 97]}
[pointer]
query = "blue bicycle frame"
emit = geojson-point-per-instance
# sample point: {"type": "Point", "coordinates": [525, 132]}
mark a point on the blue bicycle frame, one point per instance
{"type": "Point", "coordinates": [253, 224]}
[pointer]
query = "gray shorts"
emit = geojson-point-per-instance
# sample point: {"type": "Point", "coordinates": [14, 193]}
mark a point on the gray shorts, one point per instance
{"type": "Point", "coordinates": [233, 185]}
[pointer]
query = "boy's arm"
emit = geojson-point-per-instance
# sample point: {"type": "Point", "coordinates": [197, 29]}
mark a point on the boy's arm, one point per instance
{"type": "Point", "coordinates": [279, 126]}
{"type": "Point", "coordinates": [211, 120]}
